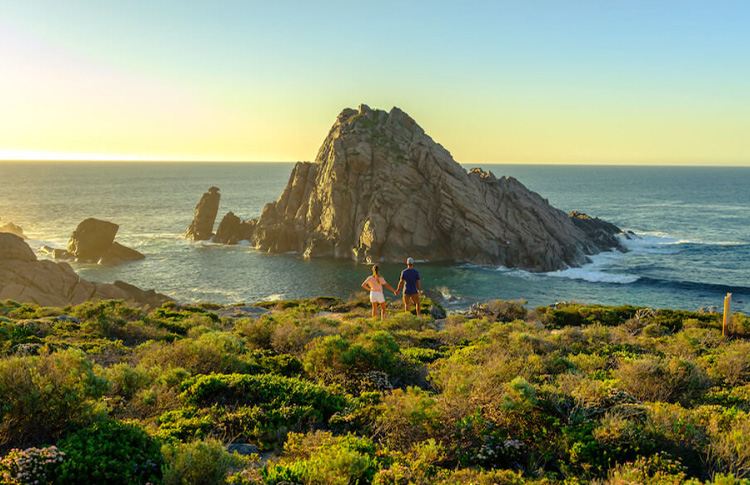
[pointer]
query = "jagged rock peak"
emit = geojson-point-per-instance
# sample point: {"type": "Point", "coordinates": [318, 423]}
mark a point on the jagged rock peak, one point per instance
{"type": "Point", "coordinates": [381, 189]}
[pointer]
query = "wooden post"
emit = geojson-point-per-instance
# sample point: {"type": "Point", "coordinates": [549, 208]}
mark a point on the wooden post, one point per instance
{"type": "Point", "coordinates": [727, 313]}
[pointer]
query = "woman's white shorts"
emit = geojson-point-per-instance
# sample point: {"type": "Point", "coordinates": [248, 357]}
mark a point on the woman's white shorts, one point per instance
{"type": "Point", "coordinates": [377, 297]}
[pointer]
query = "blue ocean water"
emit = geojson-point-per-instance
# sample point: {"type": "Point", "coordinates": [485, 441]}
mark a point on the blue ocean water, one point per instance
{"type": "Point", "coordinates": [693, 243]}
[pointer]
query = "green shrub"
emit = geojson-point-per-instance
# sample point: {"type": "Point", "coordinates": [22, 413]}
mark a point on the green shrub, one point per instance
{"type": "Point", "coordinates": [257, 332]}
{"type": "Point", "coordinates": [210, 352]}
{"type": "Point", "coordinates": [204, 462]}
{"type": "Point", "coordinates": [668, 380]}
{"type": "Point", "coordinates": [422, 355]}
{"type": "Point", "coordinates": [483, 477]}
{"type": "Point", "coordinates": [657, 469]}
{"type": "Point", "coordinates": [574, 314]}
{"type": "Point", "coordinates": [337, 359]}
{"type": "Point", "coordinates": [126, 381]}
{"type": "Point", "coordinates": [43, 395]}
{"type": "Point", "coordinates": [321, 459]}
{"type": "Point", "coordinates": [408, 417]}
{"type": "Point", "coordinates": [733, 365]}
{"type": "Point", "coordinates": [265, 390]}
{"type": "Point", "coordinates": [110, 452]}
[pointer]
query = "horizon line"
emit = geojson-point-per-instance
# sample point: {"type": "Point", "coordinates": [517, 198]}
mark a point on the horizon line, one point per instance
{"type": "Point", "coordinates": [156, 160]}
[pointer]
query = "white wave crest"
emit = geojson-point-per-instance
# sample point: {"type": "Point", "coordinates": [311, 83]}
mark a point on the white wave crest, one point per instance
{"type": "Point", "coordinates": [595, 271]}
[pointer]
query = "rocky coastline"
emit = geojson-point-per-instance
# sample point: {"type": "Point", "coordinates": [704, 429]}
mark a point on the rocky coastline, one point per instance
{"type": "Point", "coordinates": [26, 279]}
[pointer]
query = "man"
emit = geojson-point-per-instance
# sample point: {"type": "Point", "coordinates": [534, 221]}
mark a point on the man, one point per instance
{"type": "Point", "coordinates": [413, 286]}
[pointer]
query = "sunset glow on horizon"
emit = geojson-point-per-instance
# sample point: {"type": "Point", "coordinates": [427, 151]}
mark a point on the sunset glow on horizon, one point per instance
{"type": "Point", "coordinates": [578, 82]}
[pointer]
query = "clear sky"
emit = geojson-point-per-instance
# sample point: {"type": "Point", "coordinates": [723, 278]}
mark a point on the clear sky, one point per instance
{"type": "Point", "coordinates": [555, 81]}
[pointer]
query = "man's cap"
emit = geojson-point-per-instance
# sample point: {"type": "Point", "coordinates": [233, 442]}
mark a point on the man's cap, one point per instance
{"type": "Point", "coordinates": [410, 261]}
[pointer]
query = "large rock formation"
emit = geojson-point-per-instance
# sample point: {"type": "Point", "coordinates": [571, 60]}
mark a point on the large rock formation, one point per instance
{"type": "Point", "coordinates": [91, 239]}
{"type": "Point", "coordinates": [25, 279]}
{"type": "Point", "coordinates": [94, 241]}
{"type": "Point", "coordinates": [202, 227]}
{"type": "Point", "coordinates": [381, 189]}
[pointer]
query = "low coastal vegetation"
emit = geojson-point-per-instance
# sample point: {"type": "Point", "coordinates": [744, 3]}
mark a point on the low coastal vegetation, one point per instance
{"type": "Point", "coordinates": [316, 392]}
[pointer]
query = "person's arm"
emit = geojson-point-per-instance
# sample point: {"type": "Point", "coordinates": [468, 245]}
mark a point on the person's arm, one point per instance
{"type": "Point", "coordinates": [366, 284]}
{"type": "Point", "coordinates": [385, 283]}
{"type": "Point", "coordinates": [400, 284]}
{"type": "Point", "coordinates": [419, 286]}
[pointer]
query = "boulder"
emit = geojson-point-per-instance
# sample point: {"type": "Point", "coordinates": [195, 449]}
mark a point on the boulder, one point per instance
{"type": "Point", "coordinates": [13, 247]}
{"type": "Point", "coordinates": [25, 279]}
{"type": "Point", "coordinates": [117, 253]}
{"type": "Point", "coordinates": [12, 228]}
{"type": "Point", "coordinates": [94, 241]}
{"type": "Point", "coordinates": [56, 253]}
{"type": "Point", "coordinates": [91, 239]}
{"type": "Point", "coordinates": [232, 230]}
{"type": "Point", "coordinates": [202, 227]}
{"type": "Point", "coordinates": [381, 188]}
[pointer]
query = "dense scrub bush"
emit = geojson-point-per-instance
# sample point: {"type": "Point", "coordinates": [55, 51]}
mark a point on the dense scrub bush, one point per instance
{"type": "Point", "coordinates": [209, 352]}
{"type": "Point", "coordinates": [733, 365]}
{"type": "Point", "coordinates": [43, 395]}
{"type": "Point", "coordinates": [180, 320]}
{"type": "Point", "coordinates": [204, 462]}
{"type": "Point", "coordinates": [408, 417]}
{"type": "Point", "coordinates": [418, 466]}
{"type": "Point", "coordinates": [667, 380]}
{"type": "Point", "coordinates": [319, 458]}
{"type": "Point", "coordinates": [265, 390]}
{"type": "Point", "coordinates": [257, 332]}
{"type": "Point", "coordinates": [110, 452]}
{"type": "Point", "coordinates": [336, 359]}
{"type": "Point", "coordinates": [576, 315]}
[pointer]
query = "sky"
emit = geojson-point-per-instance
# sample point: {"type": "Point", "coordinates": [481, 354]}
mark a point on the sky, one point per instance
{"type": "Point", "coordinates": [558, 81]}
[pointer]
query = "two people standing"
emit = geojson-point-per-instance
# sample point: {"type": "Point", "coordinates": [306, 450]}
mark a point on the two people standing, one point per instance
{"type": "Point", "coordinates": [409, 280]}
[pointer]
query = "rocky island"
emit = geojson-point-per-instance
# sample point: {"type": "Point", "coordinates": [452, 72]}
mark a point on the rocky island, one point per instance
{"type": "Point", "coordinates": [381, 188]}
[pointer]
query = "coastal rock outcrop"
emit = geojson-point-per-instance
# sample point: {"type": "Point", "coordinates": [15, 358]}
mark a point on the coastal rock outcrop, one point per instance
{"type": "Point", "coordinates": [94, 241]}
{"type": "Point", "coordinates": [202, 227]}
{"type": "Point", "coordinates": [381, 189]}
{"type": "Point", "coordinates": [232, 230]}
{"type": "Point", "coordinates": [25, 279]}
{"type": "Point", "coordinates": [603, 232]}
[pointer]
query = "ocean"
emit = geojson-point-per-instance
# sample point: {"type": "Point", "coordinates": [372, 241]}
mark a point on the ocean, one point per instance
{"type": "Point", "coordinates": [692, 226]}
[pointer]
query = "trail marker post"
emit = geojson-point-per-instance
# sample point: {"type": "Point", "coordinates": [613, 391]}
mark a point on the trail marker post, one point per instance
{"type": "Point", "coordinates": [727, 313]}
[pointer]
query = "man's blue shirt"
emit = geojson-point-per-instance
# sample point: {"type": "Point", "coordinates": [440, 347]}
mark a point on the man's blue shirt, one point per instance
{"type": "Point", "coordinates": [410, 277]}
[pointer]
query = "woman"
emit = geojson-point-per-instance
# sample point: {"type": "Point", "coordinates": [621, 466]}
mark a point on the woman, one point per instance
{"type": "Point", "coordinates": [374, 284]}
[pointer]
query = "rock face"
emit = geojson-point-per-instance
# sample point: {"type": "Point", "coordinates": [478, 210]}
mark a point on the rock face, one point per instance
{"type": "Point", "coordinates": [381, 189]}
{"type": "Point", "coordinates": [25, 279]}
{"type": "Point", "coordinates": [202, 227]}
{"type": "Point", "coordinates": [603, 232]}
{"type": "Point", "coordinates": [14, 248]}
{"type": "Point", "coordinates": [94, 241]}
